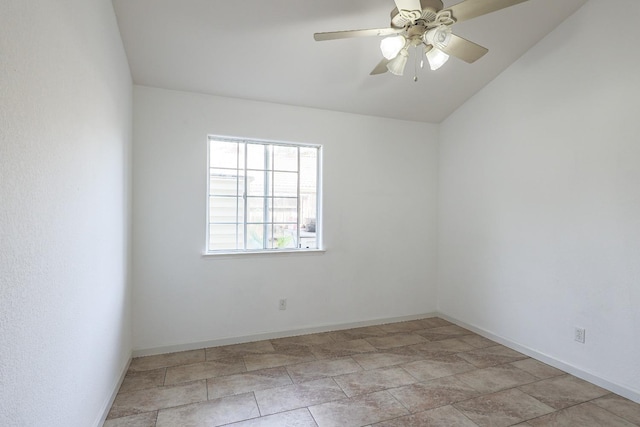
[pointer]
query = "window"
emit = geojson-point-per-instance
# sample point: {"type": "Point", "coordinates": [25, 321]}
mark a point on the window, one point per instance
{"type": "Point", "coordinates": [263, 196]}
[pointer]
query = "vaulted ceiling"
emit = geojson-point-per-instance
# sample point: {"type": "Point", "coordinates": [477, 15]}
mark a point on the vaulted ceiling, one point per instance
{"type": "Point", "coordinates": [264, 50]}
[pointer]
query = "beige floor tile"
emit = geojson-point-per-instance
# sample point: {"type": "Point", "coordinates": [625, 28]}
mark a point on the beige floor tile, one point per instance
{"type": "Point", "coordinates": [358, 411]}
{"type": "Point", "coordinates": [322, 368]}
{"type": "Point", "coordinates": [204, 370]}
{"type": "Point", "coordinates": [563, 391]}
{"type": "Point", "coordinates": [165, 360]}
{"type": "Point", "coordinates": [433, 394]}
{"type": "Point", "coordinates": [257, 347]}
{"type": "Point", "coordinates": [388, 357]}
{"type": "Point", "coordinates": [142, 379]}
{"type": "Point", "coordinates": [247, 382]}
{"type": "Point", "coordinates": [451, 345]}
{"type": "Point", "coordinates": [446, 416]}
{"type": "Point", "coordinates": [537, 369]}
{"type": "Point", "coordinates": [366, 382]}
{"type": "Point", "coordinates": [297, 396]}
{"type": "Point", "coordinates": [209, 414]}
{"type": "Point", "coordinates": [139, 401]}
{"type": "Point", "coordinates": [310, 339]}
{"type": "Point", "coordinates": [357, 333]}
{"type": "Point", "coordinates": [433, 322]}
{"type": "Point", "coordinates": [292, 349]}
{"type": "Point", "coordinates": [272, 360]}
{"type": "Point", "coordinates": [402, 327]}
{"type": "Point", "coordinates": [147, 419]}
{"type": "Point", "coordinates": [583, 415]}
{"type": "Point", "coordinates": [502, 409]}
{"type": "Point", "coordinates": [297, 418]}
{"type": "Point", "coordinates": [342, 349]}
{"type": "Point", "coordinates": [425, 370]}
{"type": "Point", "coordinates": [443, 332]}
{"type": "Point", "coordinates": [477, 341]}
{"type": "Point", "coordinates": [620, 406]}
{"type": "Point", "coordinates": [395, 340]}
{"type": "Point", "coordinates": [496, 378]}
{"type": "Point", "coordinates": [491, 356]}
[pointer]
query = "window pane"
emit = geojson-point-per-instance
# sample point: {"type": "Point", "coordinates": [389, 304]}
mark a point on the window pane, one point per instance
{"type": "Point", "coordinates": [225, 182]}
{"type": "Point", "coordinates": [285, 184]}
{"type": "Point", "coordinates": [223, 154]}
{"type": "Point", "coordinates": [285, 158]}
{"type": "Point", "coordinates": [255, 156]}
{"type": "Point", "coordinates": [226, 209]}
{"type": "Point", "coordinates": [308, 240]}
{"type": "Point", "coordinates": [282, 236]}
{"type": "Point", "coordinates": [255, 209]}
{"type": "Point", "coordinates": [224, 237]}
{"type": "Point", "coordinates": [308, 189]}
{"type": "Point", "coordinates": [255, 236]}
{"type": "Point", "coordinates": [283, 210]}
{"type": "Point", "coordinates": [256, 183]}
{"type": "Point", "coordinates": [308, 169]}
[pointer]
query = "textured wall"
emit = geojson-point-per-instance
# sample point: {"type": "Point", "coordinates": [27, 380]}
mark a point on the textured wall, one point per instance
{"type": "Point", "coordinates": [379, 217]}
{"type": "Point", "coordinates": [539, 208]}
{"type": "Point", "coordinates": [65, 119]}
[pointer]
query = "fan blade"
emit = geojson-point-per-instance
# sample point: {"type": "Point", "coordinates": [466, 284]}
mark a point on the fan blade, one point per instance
{"type": "Point", "coordinates": [408, 5]}
{"type": "Point", "coordinates": [381, 68]}
{"type": "Point", "coordinates": [464, 49]}
{"type": "Point", "coordinates": [469, 9]}
{"type": "Point", "coordinates": [334, 35]}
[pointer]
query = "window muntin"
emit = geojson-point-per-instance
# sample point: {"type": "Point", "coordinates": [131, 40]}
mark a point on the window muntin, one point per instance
{"type": "Point", "coordinates": [262, 196]}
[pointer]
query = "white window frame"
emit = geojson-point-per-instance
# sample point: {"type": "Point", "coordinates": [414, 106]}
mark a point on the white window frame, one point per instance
{"type": "Point", "coordinates": [319, 244]}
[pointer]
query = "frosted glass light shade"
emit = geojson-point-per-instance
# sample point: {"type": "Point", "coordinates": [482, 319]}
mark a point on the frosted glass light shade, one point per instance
{"type": "Point", "coordinates": [391, 46]}
{"type": "Point", "coordinates": [438, 37]}
{"type": "Point", "coordinates": [436, 58]}
{"type": "Point", "coordinates": [397, 64]}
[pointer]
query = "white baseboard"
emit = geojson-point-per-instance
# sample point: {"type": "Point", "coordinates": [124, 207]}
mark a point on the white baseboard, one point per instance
{"type": "Point", "coordinates": [273, 335]}
{"type": "Point", "coordinates": [626, 392]}
{"type": "Point", "coordinates": [107, 406]}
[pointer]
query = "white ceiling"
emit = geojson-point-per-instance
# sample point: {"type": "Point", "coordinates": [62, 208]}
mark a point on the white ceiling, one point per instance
{"type": "Point", "coordinates": [264, 50]}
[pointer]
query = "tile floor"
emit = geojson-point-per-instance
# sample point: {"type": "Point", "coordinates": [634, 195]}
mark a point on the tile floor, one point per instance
{"type": "Point", "coordinates": [426, 372]}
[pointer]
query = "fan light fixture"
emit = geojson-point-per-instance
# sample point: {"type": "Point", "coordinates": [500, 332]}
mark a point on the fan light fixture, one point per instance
{"type": "Point", "coordinates": [397, 64]}
{"type": "Point", "coordinates": [439, 38]}
{"type": "Point", "coordinates": [391, 46]}
{"type": "Point", "coordinates": [426, 26]}
{"type": "Point", "coordinates": [436, 58]}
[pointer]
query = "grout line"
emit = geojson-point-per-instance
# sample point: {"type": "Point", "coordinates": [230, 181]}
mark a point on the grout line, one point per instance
{"type": "Point", "coordinates": [312, 417]}
{"type": "Point", "coordinates": [465, 415]}
{"type": "Point", "coordinates": [257, 405]}
{"type": "Point", "coordinates": [397, 400]}
{"type": "Point", "coordinates": [611, 412]}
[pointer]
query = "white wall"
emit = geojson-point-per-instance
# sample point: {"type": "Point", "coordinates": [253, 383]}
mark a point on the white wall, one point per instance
{"type": "Point", "coordinates": [65, 131]}
{"type": "Point", "coordinates": [379, 217]}
{"type": "Point", "coordinates": [539, 207]}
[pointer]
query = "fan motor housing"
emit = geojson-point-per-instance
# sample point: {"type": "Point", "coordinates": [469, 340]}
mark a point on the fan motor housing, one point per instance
{"type": "Point", "coordinates": [430, 8]}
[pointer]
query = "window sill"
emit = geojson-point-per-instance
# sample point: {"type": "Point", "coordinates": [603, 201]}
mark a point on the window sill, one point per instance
{"type": "Point", "coordinates": [233, 254]}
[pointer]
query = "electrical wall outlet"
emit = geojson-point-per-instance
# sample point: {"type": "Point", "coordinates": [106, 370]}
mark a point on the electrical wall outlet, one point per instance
{"type": "Point", "coordinates": [283, 304]}
{"type": "Point", "coordinates": [579, 335]}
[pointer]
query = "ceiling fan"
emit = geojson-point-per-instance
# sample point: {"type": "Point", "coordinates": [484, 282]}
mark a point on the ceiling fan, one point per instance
{"type": "Point", "coordinates": [426, 26]}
